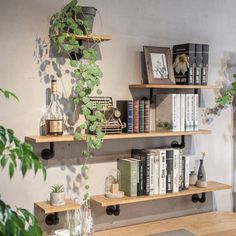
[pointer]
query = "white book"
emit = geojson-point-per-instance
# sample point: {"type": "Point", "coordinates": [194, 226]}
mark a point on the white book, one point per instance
{"type": "Point", "coordinates": [196, 112]}
{"type": "Point", "coordinates": [182, 112]}
{"type": "Point", "coordinates": [187, 171]}
{"type": "Point", "coordinates": [181, 173]}
{"type": "Point", "coordinates": [176, 153]}
{"type": "Point", "coordinates": [191, 109]}
{"type": "Point", "coordinates": [178, 111]}
{"type": "Point", "coordinates": [152, 156]}
{"type": "Point", "coordinates": [162, 171]}
{"type": "Point", "coordinates": [187, 112]}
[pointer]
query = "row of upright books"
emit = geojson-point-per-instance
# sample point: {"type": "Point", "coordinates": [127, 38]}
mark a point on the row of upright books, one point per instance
{"type": "Point", "coordinates": [190, 63]}
{"type": "Point", "coordinates": [178, 112]}
{"type": "Point", "coordinates": [154, 171]}
{"type": "Point", "coordinates": [136, 115]}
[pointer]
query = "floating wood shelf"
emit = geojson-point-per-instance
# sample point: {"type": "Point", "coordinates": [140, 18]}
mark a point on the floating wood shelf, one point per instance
{"type": "Point", "coordinates": [94, 38]}
{"type": "Point", "coordinates": [212, 186]}
{"type": "Point", "coordinates": [173, 86]}
{"type": "Point", "coordinates": [47, 208]}
{"type": "Point", "coordinates": [70, 138]}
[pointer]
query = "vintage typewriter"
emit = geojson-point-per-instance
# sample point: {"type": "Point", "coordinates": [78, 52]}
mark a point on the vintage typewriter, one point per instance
{"type": "Point", "coordinates": [112, 124]}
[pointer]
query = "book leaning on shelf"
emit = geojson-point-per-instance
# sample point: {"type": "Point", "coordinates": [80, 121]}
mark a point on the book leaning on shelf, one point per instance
{"type": "Point", "coordinates": [154, 171]}
{"type": "Point", "coordinates": [136, 115]}
{"type": "Point", "coordinates": [177, 112]}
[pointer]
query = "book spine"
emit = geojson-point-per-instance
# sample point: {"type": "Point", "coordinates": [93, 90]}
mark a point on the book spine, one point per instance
{"type": "Point", "coordinates": [156, 173]}
{"type": "Point", "coordinates": [130, 121]}
{"type": "Point", "coordinates": [205, 59]}
{"type": "Point", "coordinates": [196, 111]}
{"type": "Point", "coordinates": [140, 190]}
{"type": "Point", "coordinates": [146, 116]}
{"type": "Point", "coordinates": [162, 173]}
{"type": "Point", "coordinates": [133, 178]}
{"type": "Point", "coordinates": [192, 64]}
{"type": "Point", "coordinates": [183, 173]}
{"type": "Point", "coordinates": [187, 113]}
{"type": "Point", "coordinates": [198, 69]}
{"type": "Point", "coordinates": [181, 187]}
{"type": "Point", "coordinates": [136, 116]}
{"type": "Point", "coordinates": [178, 110]}
{"type": "Point", "coordinates": [174, 112]}
{"type": "Point", "coordinates": [182, 112]}
{"type": "Point", "coordinates": [186, 171]}
{"type": "Point", "coordinates": [191, 109]}
{"type": "Point", "coordinates": [169, 171]}
{"type": "Point", "coordinates": [147, 174]}
{"type": "Point", "coordinates": [176, 171]}
{"type": "Point", "coordinates": [151, 192]}
{"type": "Point", "coordinates": [141, 116]}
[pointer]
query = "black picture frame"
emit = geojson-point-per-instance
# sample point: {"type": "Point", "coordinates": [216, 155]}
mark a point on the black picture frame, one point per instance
{"type": "Point", "coordinates": [158, 65]}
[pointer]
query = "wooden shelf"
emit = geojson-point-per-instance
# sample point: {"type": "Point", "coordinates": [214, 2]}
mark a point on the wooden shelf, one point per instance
{"type": "Point", "coordinates": [173, 86]}
{"type": "Point", "coordinates": [94, 38]}
{"type": "Point", "coordinates": [212, 186]}
{"type": "Point", "coordinates": [47, 208]}
{"type": "Point", "coordinates": [70, 138]}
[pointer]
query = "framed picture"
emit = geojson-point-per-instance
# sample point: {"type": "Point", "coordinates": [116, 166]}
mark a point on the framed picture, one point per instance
{"type": "Point", "coordinates": [159, 65]}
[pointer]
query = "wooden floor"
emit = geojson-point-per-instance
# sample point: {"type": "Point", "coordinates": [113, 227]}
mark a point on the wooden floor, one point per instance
{"type": "Point", "coordinates": [207, 224]}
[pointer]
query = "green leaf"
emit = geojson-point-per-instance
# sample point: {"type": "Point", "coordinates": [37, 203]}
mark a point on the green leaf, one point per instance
{"type": "Point", "coordinates": [3, 161]}
{"type": "Point", "coordinates": [8, 94]}
{"type": "Point", "coordinates": [11, 170]}
{"type": "Point", "coordinates": [78, 136]}
{"type": "Point", "coordinates": [10, 133]}
{"type": "Point", "coordinates": [74, 63]}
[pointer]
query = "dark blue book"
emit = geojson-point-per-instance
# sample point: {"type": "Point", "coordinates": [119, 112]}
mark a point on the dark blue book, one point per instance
{"type": "Point", "coordinates": [127, 111]}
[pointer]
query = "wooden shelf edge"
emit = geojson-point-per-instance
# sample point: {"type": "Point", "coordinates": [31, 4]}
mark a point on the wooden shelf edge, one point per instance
{"type": "Point", "coordinates": [173, 86]}
{"type": "Point", "coordinates": [94, 37]}
{"type": "Point", "coordinates": [212, 186]}
{"type": "Point", "coordinates": [47, 208]}
{"type": "Point", "coordinates": [153, 134]}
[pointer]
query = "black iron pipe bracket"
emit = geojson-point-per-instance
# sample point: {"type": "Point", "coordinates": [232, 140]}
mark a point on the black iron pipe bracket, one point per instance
{"type": "Point", "coordinates": [52, 219]}
{"type": "Point", "coordinates": [181, 145]}
{"type": "Point", "coordinates": [113, 210]}
{"type": "Point", "coordinates": [151, 96]}
{"type": "Point", "coordinates": [48, 153]}
{"type": "Point", "coordinates": [196, 198]}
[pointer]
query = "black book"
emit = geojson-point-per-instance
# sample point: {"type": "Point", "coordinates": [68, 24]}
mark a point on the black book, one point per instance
{"type": "Point", "coordinates": [184, 63]}
{"type": "Point", "coordinates": [169, 170]}
{"type": "Point", "coordinates": [205, 59]}
{"type": "Point", "coordinates": [198, 61]}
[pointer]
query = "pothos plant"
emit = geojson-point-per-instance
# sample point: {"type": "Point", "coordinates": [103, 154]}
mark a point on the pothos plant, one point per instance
{"type": "Point", "coordinates": [65, 26]}
{"type": "Point", "coordinates": [14, 152]}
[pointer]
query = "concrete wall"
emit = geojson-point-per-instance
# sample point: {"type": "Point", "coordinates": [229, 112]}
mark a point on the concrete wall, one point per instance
{"type": "Point", "coordinates": [132, 24]}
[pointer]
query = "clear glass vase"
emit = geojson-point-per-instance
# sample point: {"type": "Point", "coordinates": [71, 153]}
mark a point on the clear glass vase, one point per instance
{"type": "Point", "coordinates": [87, 221]}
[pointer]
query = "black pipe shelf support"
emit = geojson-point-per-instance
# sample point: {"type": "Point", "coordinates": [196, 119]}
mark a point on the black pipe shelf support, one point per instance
{"type": "Point", "coordinates": [52, 219]}
{"type": "Point", "coordinates": [181, 145]}
{"type": "Point", "coordinates": [196, 198]}
{"type": "Point", "coordinates": [48, 153]}
{"type": "Point", "coordinates": [113, 210]}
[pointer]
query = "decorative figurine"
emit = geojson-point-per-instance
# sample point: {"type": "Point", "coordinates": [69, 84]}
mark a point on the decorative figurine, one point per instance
{"type": "Point", "coordinates": [201, 182]}
{"type": "Point", "coordinates": [192, 178]}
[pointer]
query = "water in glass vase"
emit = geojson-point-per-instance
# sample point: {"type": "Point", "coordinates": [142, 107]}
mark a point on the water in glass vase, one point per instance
{"type": "Point", "coordinates": [54, 114]}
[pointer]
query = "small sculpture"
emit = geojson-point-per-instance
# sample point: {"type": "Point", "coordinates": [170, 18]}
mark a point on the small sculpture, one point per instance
{"type": "Point", "coordinates": [201, 182]}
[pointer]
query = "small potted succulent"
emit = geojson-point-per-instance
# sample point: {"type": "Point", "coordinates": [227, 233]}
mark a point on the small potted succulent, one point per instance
{"type": "Point", "coordinates": [57, 195]}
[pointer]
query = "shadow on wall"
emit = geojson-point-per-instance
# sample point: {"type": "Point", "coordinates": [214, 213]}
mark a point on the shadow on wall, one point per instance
{"type": "Point", "coordinates": [226, 72]}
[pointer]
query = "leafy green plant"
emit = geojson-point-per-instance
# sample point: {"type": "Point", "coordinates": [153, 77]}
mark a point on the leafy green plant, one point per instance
{"type": "Point", "coordinates": [57, 188]}
{"type": "Point", "coordinates": [12, 152]}
{"type": "Point", "coordinates": [63, 30]}
{"type": "Point", "coordinates": [227, 95]}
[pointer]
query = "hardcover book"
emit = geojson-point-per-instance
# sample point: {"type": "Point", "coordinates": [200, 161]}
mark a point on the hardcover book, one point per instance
{"type": "Point", "coordinates": [169, 170]}
{"type": "Point", "coordinates": [182, 112]}
{"type": "Point", "coordinates": [176, 156]}
{"type": "Point", "coordinates": [126, 109]}
{"type": "Point", "coordinates": [184, 63]}
{"type": "Point", "coordinates": [196, 101]}
{"type": "Point", "coordinates": [128, 181]}
{"type": "Point", "coordinates": [205, 58]}
{"type": "Point", "coordinates": [141, 116]}
{"type": "Point", "coordinates": [198, 60]}
{"type": "Point", "coordinates": [146, 116]}
{"type": "Point", "coordinates": [136, 116]}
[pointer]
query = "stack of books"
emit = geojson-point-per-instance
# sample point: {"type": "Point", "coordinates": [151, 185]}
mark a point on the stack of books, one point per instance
{"type": "Point", "coordinates": [190, 63]}
{"type": "Point", "coordinates": [136, 115]}
{"type": "Point", "coordinates": [177, 112]}
{"type": "Point", "coordinates": [154, 171]}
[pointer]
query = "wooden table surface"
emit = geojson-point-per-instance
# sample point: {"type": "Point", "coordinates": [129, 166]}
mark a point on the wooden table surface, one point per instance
{"type": "Point", "coordinates": [207, 224]}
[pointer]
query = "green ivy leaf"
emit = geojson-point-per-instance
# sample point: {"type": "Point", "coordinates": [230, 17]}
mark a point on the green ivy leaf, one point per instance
{"type": "Point", "coordinates": [74, 63]}
{"type": "Point", "coordinates": [3, 162]}
{"type": "Point", "coordinates": [11, 170]}
{"type": "Point", "coordinates": [78, 136]}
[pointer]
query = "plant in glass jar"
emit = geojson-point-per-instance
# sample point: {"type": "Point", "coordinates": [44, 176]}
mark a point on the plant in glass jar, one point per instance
{"type": "Point", "coordinates": [13, 153]}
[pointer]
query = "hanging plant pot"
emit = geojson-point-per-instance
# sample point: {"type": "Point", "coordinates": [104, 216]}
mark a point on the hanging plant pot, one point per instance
{"type": "Point", "coordinates": [88, 14]}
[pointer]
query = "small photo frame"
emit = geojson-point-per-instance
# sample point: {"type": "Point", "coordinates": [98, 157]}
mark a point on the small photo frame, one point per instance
{"type": "Point", "coordinates": [159, 65]}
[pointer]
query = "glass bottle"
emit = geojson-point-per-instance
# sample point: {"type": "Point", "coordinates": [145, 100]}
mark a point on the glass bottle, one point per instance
{"type": "Point", "coordinates": [87, 226]}
{"type": "Point", "coordinates": [54, 114]}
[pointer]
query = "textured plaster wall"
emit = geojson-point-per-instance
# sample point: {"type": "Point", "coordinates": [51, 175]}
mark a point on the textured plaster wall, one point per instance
{"type": "Point", "coordinates": [132, 24]}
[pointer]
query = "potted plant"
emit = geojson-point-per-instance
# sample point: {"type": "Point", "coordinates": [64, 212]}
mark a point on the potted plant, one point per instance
{"type": "Point", "coordinates": [86, 73]}
{"type": "Point", "coordinates": [14, 152]}
{"type": "Point", "coordinates": [57, 195]}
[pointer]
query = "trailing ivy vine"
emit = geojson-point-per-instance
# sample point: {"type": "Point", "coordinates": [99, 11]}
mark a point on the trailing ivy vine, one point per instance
{"type": "Point", "coordinates": [14, 152]}
{"type": "Point", "coordinates": [65, 26]}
